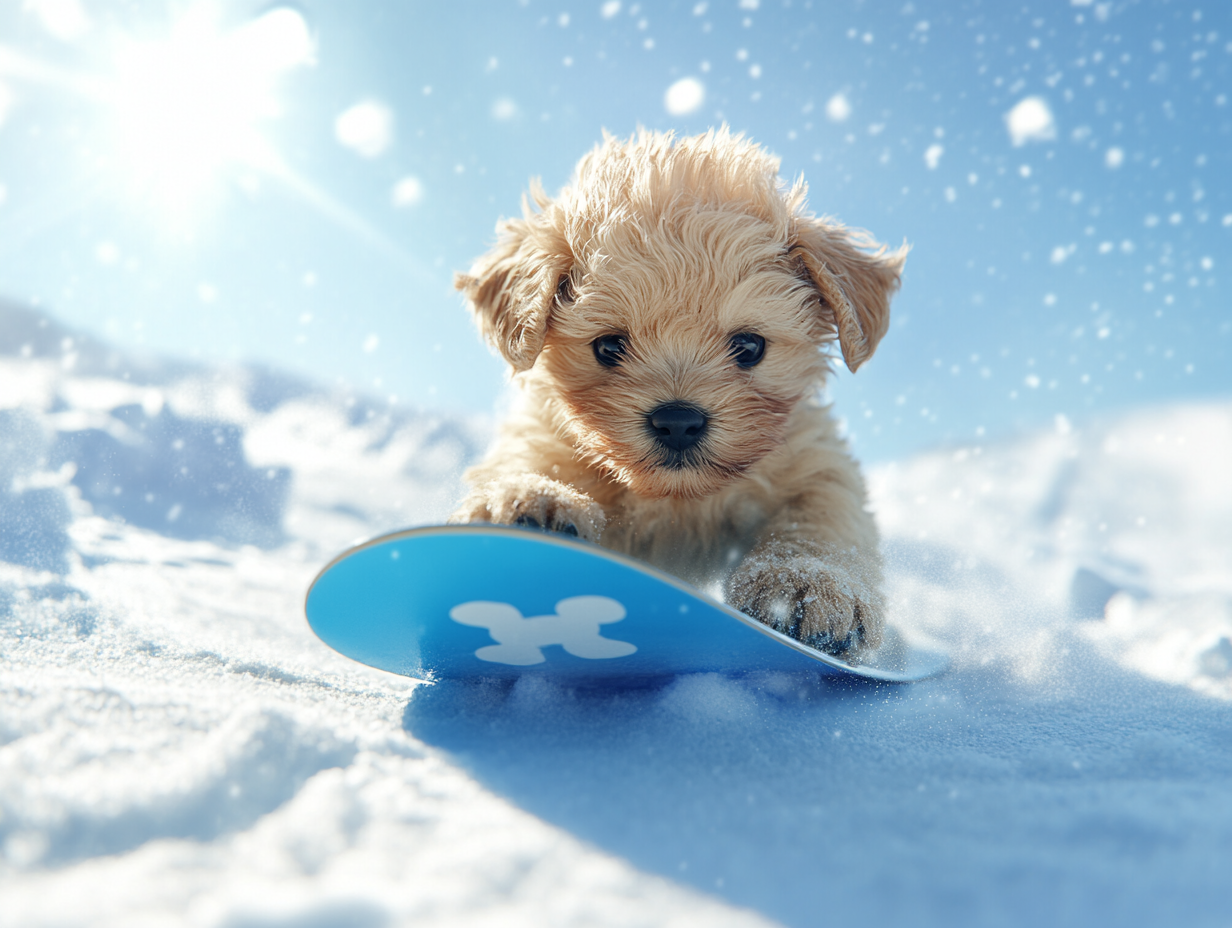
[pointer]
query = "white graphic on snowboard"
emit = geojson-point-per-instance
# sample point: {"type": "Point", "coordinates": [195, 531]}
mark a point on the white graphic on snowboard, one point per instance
{"type": "Point", "coordinates": [575, 627]}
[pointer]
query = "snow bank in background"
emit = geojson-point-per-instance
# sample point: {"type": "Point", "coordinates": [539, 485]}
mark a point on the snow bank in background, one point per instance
{"type": "Point", "coordinates": [34, 516]}
{"type": "Point", "coordinates": [1126, 521]}
{"type": "Point", "coordinates": [176, 747]}
{"type": "Point", "coordinates": [198, 453]}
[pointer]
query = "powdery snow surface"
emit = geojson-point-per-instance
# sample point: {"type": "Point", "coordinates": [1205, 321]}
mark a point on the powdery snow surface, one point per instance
{"type": "Point", "coordinates": [176, 747]}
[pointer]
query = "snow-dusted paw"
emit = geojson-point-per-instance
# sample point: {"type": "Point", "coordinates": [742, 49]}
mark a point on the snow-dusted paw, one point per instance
{"type": "Point", "coordinates": [534, 501]}
{"type": "Point", "coordinates": [822, 597]}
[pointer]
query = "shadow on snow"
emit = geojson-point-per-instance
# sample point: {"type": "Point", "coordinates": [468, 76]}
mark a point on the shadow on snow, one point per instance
{"type": "Point", "coordinates": [973, 799]}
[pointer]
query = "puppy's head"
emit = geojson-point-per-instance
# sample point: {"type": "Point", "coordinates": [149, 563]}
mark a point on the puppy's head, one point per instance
{"type": "Point", "coordinates": [670, 306]}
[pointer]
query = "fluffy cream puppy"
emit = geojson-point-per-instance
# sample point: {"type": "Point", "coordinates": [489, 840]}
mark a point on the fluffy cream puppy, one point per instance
{"type": "Point", "coordinates": [666, 317]}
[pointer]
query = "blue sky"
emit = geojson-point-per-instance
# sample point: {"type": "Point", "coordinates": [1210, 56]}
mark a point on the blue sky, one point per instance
{"type": "Point", "coordinates": [296, 185]}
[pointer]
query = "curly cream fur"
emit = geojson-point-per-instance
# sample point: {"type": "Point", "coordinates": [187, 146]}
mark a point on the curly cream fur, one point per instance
{"type": "Point", "coordinates": [678, 244]}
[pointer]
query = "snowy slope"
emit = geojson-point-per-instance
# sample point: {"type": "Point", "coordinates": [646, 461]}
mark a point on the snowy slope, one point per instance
{"type": "Point", "coordinates": [176, 747]}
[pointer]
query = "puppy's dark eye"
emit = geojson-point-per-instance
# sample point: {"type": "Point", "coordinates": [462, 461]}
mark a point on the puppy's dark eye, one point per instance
{"type": "Point", "coordinates": [609, 349]}
{"type": "Point", "coordinates": [747, 349]}
{"type": "Point", "coordinates": [564, 290]}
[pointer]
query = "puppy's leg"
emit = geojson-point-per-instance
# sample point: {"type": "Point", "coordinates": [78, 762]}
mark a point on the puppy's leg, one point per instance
{"type": "Point", "coordinates": [815, 574]}
{"type": "Point", "coordinates": [824, 595]}
{"type": "Point", "coordinates": [535, 501]}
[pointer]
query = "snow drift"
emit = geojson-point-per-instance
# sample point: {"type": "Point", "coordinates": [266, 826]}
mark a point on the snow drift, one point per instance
{"type": "Point", "coordinates": [176, 747]}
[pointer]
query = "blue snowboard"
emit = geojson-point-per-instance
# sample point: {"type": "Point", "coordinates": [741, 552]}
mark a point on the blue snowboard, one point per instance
{"type": "Point", "coordinates": [481, 601]}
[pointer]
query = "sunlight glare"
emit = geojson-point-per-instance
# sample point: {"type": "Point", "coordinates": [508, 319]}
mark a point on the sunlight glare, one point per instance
{"type": "Point", "coordinates": [67, 20]}
{"type": "Point", "coordinates": [6, 102]}
{"type": "Point", "coordinates": [189, 106]}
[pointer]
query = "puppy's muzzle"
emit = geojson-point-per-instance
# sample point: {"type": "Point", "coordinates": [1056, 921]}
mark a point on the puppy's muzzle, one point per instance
{"type": "Point", "coordinates": [677, 427]}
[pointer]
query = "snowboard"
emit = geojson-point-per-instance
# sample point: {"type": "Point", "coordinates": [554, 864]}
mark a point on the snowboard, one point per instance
{"type": "Point", "coordinates": [468, 602]}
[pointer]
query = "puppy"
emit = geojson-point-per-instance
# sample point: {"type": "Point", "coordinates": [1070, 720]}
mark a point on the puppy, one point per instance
{"type": "Point", "coordinates": [666, 317]}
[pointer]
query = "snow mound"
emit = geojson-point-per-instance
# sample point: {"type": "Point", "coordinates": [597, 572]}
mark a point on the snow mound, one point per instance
{"type": "Point", "coordinates": [176, 747]}
{"type": "Point", "coordinates": [1124, 522]}
{"type": "Point", "coordinates": [34, 518]}
{"type": "Point", "coordinates": [197, 453]}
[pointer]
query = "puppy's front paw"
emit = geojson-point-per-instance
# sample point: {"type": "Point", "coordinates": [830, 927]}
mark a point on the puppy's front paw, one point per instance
{"type": "Point", "coordinates": [535, 501]}
{"type": "Point", "coordinates": [813, 593]}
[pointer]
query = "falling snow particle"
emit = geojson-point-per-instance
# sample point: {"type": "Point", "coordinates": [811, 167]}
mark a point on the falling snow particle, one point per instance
{"type": "Point", "coordinates": [65, 19]}
{"type": "Point", "coordinates": [609, 9]}
{"type": "Point", "coordinates": [407, 192]}
{"type": "Point", "coordinates": [504, 109]}
{"type": "Point", "coordinates": [1031, 121]}
{"type": "Point", "coordinates": [367, 128]}
{"type": "Point", "coordinates": [371, 343]}
{"type": "Point", "coordinates": [684, 96]}
{"type": "Point", "coordinates": [838, 108]}
{"type": "Point", "coordinates": [932, 156]}
{"type": "Point", "coordinates": [1114, 157]}
{"type": "Point", "coordinates": [283, 37]}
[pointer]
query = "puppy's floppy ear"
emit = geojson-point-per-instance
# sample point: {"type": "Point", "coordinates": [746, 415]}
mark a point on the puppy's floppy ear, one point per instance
{"type": "Point", "coordinates": [855, 277]}
{"type": "Point", "coordinates": [513, 288]}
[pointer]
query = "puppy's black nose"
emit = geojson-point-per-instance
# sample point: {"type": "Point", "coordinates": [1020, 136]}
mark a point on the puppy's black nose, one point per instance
{"type": "Point", "coordinates": [677, 426]}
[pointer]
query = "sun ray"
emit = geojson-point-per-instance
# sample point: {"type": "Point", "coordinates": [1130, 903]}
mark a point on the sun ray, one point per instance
{"type": "Point", "coordinates": [23, 67]}
{"type": "Point", "coordinates": [348, 219]}
{"type": "Point", "coordinates": [186, 112]}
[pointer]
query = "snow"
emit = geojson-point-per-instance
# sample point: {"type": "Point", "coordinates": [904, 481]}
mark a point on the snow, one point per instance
{"type": "Point", "coordinates": [366, 127]}
{"type": "Point", "coordinates": [838, 108]}
{"type": "Point", "coordinates": [684, 96]}
{"type": "Point", "coordinates": [406, 192]}
{"type": "Point", "coordinates": [176, 747]}
{"type": "Point", "coordinates": [1030, 120]}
